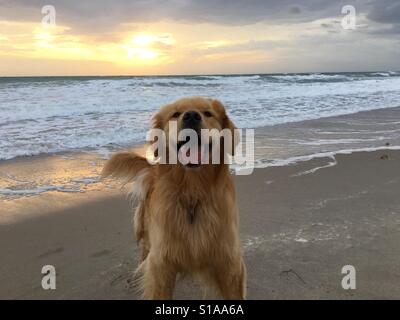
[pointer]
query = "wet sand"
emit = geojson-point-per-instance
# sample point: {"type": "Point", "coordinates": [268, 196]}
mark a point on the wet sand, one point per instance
{"type": "Point", "coordinates": [299, 227]}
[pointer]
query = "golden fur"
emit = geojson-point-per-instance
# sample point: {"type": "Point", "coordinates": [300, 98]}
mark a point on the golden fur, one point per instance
{"type": "Point", "coordinates": [186, 220]}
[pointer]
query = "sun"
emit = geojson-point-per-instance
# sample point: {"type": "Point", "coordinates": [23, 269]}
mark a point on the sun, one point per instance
{"type": "Point", "coordinates": [139, 47]}
{"type": "Point", "coordinates": [143, 40]}
{"type": "Point", "coordinates": [148, 48]}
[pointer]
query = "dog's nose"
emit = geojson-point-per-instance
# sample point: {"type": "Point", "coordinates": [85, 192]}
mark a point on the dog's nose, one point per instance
{"type": "Point", "coordinates": [191, 118]}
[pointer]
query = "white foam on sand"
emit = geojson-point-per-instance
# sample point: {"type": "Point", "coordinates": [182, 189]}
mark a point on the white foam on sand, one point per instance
{"type": "Point", "coordinates": [35, 191]}
{"type": "Point", "coordinates": [74, 186]}
{"type": "Point", "coordinates": [329, 155]}
{"type": "Point", "coordinates": [328, 165]}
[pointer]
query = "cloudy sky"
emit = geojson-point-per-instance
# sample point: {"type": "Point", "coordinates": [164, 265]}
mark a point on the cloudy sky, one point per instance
{"type": "Point", "coordinates": [121, 37]}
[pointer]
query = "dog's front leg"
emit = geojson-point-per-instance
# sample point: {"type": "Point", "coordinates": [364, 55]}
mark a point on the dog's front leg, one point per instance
{"type": "Point", "coordinates": [159, 279]}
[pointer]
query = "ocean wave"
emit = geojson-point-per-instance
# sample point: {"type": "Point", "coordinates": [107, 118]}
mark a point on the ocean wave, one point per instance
{"type": "Point", "coordinates": [326, 77]}
{"type": "Point", "coordinates": [52, 114]}
{"type": "Point", "coordinates": [182, 84]}
{"type": "Point", "coordinates": [310, 78]}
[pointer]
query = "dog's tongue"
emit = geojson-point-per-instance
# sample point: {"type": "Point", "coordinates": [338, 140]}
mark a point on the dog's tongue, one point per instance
{"type": "Point", "coordinates": [193, 155]}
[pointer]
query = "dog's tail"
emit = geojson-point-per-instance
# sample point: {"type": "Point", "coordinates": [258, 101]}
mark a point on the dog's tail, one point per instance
{"type": "Point", "coordinates": [130, 166]}
{"type": "Point", "coordinates": [125, 165]}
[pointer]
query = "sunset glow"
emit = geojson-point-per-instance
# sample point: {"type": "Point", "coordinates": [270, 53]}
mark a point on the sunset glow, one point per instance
{"type": "Point", "coordinates": [152, 43]}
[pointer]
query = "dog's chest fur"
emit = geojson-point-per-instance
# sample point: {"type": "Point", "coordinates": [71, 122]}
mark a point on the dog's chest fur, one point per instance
{"type": "Point", "coordinates": [189, 216]}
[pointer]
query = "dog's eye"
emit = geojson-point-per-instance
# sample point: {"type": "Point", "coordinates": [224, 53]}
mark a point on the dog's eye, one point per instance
{"type": "Point", "coordinates": [176, 114]}
{"type": "Point", "coordinates": [208, 114]}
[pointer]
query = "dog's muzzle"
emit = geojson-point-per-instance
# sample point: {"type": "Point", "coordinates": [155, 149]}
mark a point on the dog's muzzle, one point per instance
{"type": "Point", "coordinates": [191, 120]}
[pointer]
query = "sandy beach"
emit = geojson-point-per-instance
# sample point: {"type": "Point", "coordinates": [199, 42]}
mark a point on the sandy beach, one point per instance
{"type": "Point", "coordinates": [299, 226]}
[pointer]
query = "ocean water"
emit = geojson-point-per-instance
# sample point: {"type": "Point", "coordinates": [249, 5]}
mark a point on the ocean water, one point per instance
{"type": "Point", "coordinates": [61, 114]}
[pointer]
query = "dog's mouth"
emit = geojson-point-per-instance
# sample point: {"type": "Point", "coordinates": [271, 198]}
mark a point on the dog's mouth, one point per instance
{"type": "Point", "coordinates": [191, 155]}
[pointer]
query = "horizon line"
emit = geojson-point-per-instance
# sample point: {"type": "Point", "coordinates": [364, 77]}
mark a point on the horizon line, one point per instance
{"type": "Point", "coordinates": [192, 75]}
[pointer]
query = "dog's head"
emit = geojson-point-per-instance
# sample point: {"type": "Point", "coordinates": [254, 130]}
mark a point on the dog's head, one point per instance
{"type": "Point", "coordinates": [202, 127]}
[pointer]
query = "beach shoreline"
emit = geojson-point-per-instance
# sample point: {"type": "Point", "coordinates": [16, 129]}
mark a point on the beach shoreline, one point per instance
{"type": "Point", "coordinates": [78, 171]}
{"type": "Point", "coordinates": [299, 227]}
{"type": "Point", "coordinates": [39, 116]}
{"type": "Point", "coordinates": [344, 122]}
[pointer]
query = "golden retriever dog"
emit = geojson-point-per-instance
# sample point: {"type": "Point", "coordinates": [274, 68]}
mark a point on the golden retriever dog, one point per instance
{"type": "Point", "coordinates": [186, 219]}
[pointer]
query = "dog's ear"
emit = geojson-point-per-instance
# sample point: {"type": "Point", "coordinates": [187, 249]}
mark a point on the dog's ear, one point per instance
{"type": "Point", "coordinates": [157, 122]}
{"type": "Point", "coordinates": [227, 123]}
